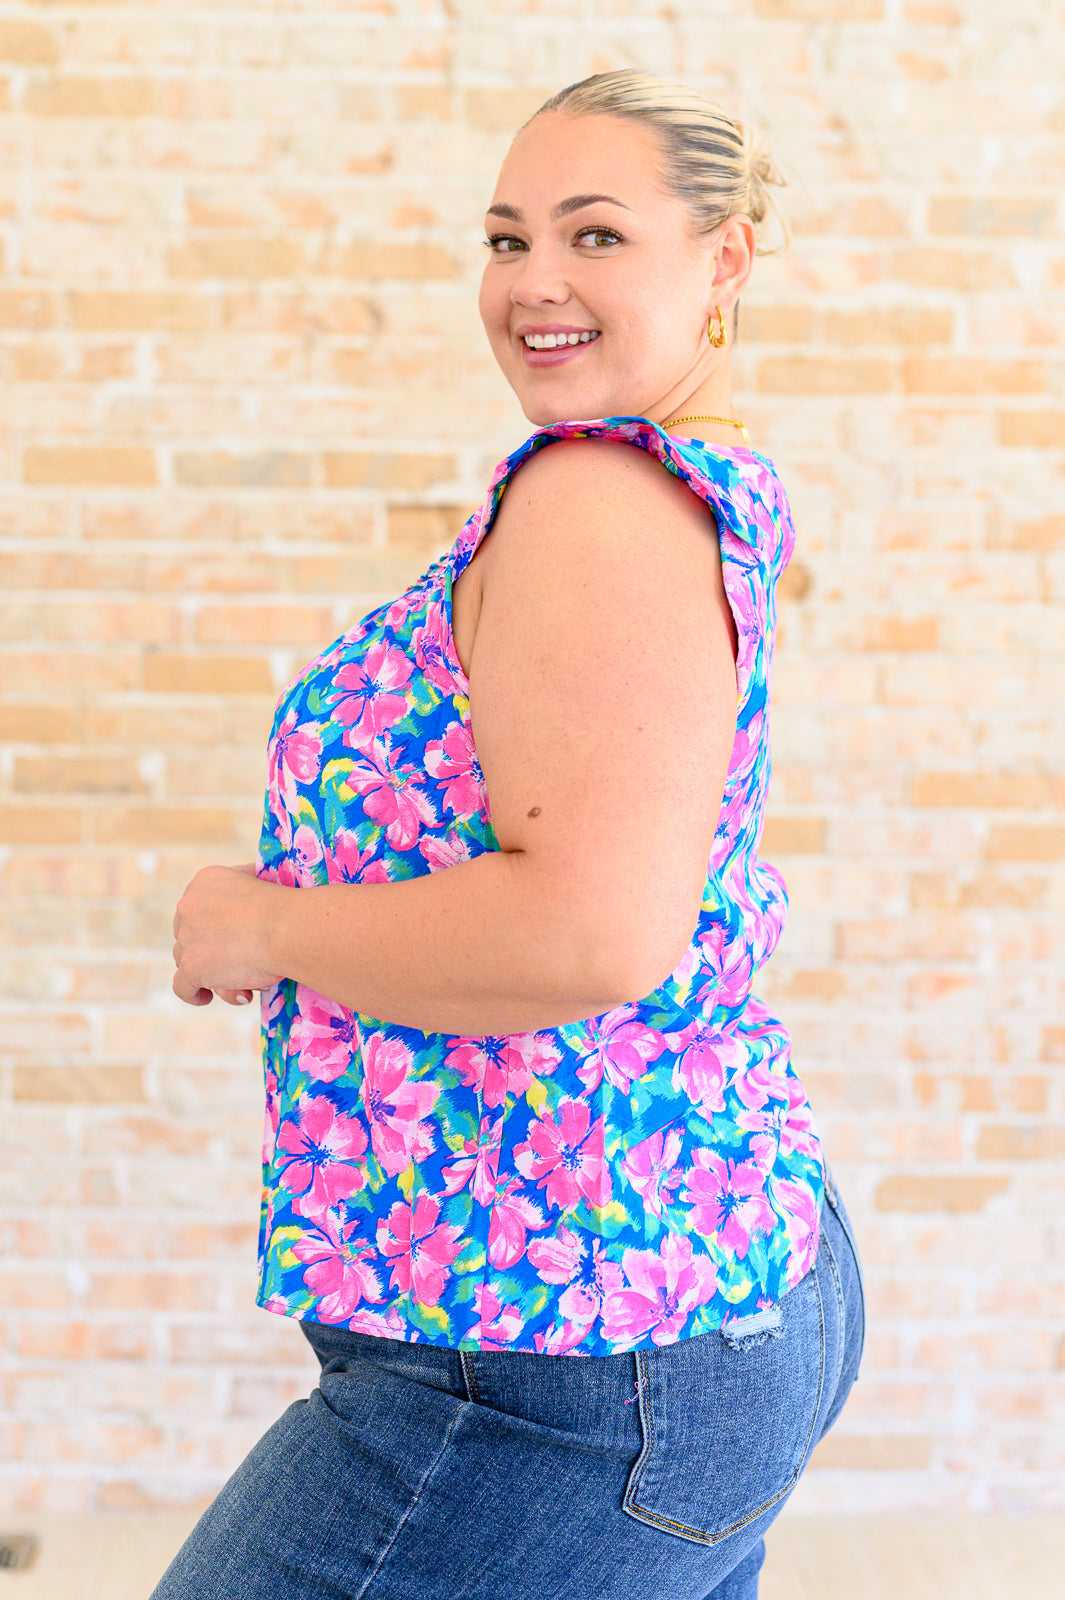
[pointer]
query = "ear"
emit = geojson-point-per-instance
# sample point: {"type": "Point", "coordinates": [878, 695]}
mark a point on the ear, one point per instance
{"type": "Point", "coordinates": [734, 255]}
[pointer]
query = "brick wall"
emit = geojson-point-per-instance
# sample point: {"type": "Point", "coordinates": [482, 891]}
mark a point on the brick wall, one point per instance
{"type": "Point", "coordinates": [247, 397]}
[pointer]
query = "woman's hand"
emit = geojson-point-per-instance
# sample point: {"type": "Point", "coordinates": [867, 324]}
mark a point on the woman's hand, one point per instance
{"type": "Point", "coordinates": [220, 929]}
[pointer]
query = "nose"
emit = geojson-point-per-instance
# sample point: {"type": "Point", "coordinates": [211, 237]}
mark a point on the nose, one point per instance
{"type": "Point", "coordinates": [539, 279]}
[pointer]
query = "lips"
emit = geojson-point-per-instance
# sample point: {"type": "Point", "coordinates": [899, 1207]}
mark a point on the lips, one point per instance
{"type": "Point", "coordinates": [560, 354]}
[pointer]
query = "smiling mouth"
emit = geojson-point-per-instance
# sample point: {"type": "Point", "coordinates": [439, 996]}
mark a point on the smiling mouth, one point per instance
{"type": "Point", "coordinates": [555, 341]}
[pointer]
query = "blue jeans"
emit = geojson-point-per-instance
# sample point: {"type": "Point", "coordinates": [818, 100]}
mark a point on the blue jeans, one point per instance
{"type": "Point", "coordinates": [420, 1473]}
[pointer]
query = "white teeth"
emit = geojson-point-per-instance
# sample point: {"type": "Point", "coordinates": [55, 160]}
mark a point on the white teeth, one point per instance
{"type": "Point", "coordinates": [552, 341]}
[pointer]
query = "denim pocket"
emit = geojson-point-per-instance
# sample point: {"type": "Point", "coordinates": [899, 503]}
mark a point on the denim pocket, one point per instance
{"type": "Point", "coordinates": [728, 1420]}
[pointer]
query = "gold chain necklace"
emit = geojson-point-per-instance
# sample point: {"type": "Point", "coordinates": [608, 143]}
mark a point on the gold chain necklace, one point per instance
{"type": "Point", "coordinates": [731, 422]}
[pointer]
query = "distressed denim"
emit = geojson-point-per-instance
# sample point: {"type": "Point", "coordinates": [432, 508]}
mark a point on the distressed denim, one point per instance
{"type": "Point", "coordinates": [415, 1472]}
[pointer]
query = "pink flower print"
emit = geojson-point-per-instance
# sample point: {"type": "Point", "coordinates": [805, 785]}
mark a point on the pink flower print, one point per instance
{"type": "Point", "coordinates": [701, 1068]}
{"type": "Point", "coordinates": [568, 1156]}
{"type": "Point", "coordinates": [479, 1160]}
{"type": "Point", "coordinates": [497, 1325]}
{"type": "Point", "coordinates": [651, 1168]}
{"type": "Point", "coordinates": [372, 698]}
{"type": "Point", "coordinates": [391, 796]}
{"type": "Point", "coordinates": [664, 1288]}
{"type": "Point", "coordinates": [727, 1199]}
{"type": "Point", "coordinates": [395, 1104]}
{"type": "Point", "coordinates": [271, 1117]}
{"type": "Point", "coordinates": [427, 647]}
{"type": "Point", "coordinates": [347, 862]}
{"type": "Point", "coordinates": [745, 749]}
{"type": "Point", "coordinates": [421, 1252]}
{"type": "Point", "coordinates": [453, 762]}
{"type": "Point", "coordinates": [556, 1258]}
{"type": "Point", "coordinates": [380, 1324]}
{"type": "Point", "coordinates": [497, 1066]}
{"type": "Point", "coordinates": [512, 1217]}
{"type": "Point", "coordinates": [306, 848]}
{"type": "Point", "coordinates": [589, 1274]}
{"type": "Point", "coordinates": [799, 1130]}
{"type": "Point", "coordinates": [321, 1160]}
{"type": "Point", "coordinates": [323, 1035]}
{"type": "Point", "coordinates": [445, 852]}
{"type": "Point", "coordinates": [758, 1083]}
{"type": "Point", "coordinates": [338, 1266]}
{"type": "Point", "coordinates": [730, 967]}
{"type": "Point", "coordinates": [482, 1066]}
{"type": "Point", "coordinates": [618, 1047]}
{"type": "Point", "coordinates": [799, 1209]}
{"type": "Point", "coordinates": [294, 757]}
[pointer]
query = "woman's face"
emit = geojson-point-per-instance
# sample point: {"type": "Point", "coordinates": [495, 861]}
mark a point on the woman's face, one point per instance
{"type": "Point", "coordinates": [586, 241]}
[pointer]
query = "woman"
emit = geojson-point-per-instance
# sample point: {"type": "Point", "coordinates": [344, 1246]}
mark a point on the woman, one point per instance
{"type": "Point", "coordinates": [521, 1103]}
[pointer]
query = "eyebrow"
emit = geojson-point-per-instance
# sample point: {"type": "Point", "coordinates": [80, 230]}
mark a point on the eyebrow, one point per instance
{"type": "Point", "coordinates": [576, 202]}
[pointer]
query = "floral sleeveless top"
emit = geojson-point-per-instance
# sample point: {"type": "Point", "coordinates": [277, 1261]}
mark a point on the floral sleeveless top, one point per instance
{"type": "Point", "coordinates": [630, 1180]}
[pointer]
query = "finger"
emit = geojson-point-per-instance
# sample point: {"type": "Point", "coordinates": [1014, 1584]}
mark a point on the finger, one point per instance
{"type": "Point", "coordinates": [191, 993]}
{"type": "Point", "coordinates": [245, 866]}
{"type": "Point", "coordinates": [234, 997]}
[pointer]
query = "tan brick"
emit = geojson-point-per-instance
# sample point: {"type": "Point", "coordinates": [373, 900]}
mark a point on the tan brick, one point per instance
{"type": "Point", "coordinates": [78, 775]}
{"type": "Point", "coordinates": [129, 465]}
{"type": "Point", "coordinates": [503, 109]}
{"type": "Point", "coordinates": [40, 825]}
{"type": "Point", "coordinates": [171, 674]}
{"type": "Point", "coordinates": [793, 835]}
{"type": "Point", "coordinates": [971, 375]}
{"type": "Point", "coordinates": [1032, 430]}
{"type": "Point", "coordinates": [1001, 790]}
{"type": "Point", "coordinates": [416, 100]}
{"type": "Point", "coordinates": [986, 214]}
{"type": "Point", "coordinates": [269, 469]}
{"type": "Point", "coordinates": [266, 625]}
{"type": "Point", "coordinates": [127, 96]}
{"type": "Point", "coordinates": [36, 724]}
{"type": "Point", "coordinates": [27, 43]}
{"type": "Point", "coordinates": [152, 825]}
{"type": "Point", "coordinates": [777, 324]}
{"type": "Point", "coordinates": [1040, 534]}
{"type": "Point", "coordinates": [1006, 1142]}
{"type": "Point", "coordinates": [151, 1291]}
{"type": "Point", "coordinates": [424, 529]}
{"type": "Point", "coordinates": [1052, 1044]}
{"type": "Point", "coordinates": [237, 256]}
{"type": "Point", "coordinates": [149, 311]}
{"type": "Point", "coordinates": [902, 325]}
{"type": "Point", "coordinates": [824, 375]}
{"type": "Point", "coordinates": [920, 1193]}
{"type": "Point", "coordinates": [85, 1083]}
{"type": "Point", "coordinates": [795, 582]}
{"type": "Point", "coordinates": [366, 259]}
{"type": "Point", "coordinates": [364, 469]}
{"type": "Point", "coordinates": [958, 270]}
{"type": "Point", "coordinates": [28, 308]}
{"type": "Point", "coordinates": [1025, 842]}
{"type": "Point", "coordinates": [889, 1452]}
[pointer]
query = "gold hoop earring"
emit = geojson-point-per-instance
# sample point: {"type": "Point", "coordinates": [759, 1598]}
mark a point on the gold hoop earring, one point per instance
{"type": "Point", "coordinates": [718, 336]}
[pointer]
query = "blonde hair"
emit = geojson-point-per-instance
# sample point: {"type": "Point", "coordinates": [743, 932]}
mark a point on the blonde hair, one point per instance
{"type": "Point", "coordinates": [711, 163]}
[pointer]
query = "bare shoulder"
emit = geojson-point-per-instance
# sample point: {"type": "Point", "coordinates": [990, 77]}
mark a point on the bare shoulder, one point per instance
{"type": "Point", "coordinates": [598, 510]}
{"type": "Point", "coordinates": [577, 471]}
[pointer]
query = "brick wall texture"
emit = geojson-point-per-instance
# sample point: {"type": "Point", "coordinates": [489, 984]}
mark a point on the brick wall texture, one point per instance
{"type": "Point", "coordinates": [247, 397]}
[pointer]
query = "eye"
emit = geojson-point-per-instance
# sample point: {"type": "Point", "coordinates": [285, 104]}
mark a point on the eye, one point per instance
{"type": "Point", "coordinates": [601, 236]}
{"type": "Point", "coordinates": [499, 244]}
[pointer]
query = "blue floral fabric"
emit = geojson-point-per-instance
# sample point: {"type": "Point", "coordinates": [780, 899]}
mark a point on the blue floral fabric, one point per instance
{"type": "Point", "coordinates": [630, 1180]}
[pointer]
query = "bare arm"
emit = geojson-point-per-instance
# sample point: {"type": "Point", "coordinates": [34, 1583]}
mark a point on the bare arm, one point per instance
{"type": "Point", "coordinates": [603, 704]}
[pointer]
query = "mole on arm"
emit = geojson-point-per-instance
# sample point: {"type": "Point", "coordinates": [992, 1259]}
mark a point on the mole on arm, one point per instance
{"type": "Point", "coordinates": [535, 812]}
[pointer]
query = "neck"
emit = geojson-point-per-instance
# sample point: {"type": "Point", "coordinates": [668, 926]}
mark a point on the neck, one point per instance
{"type": "Point", "coordinates": [712, 397]}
